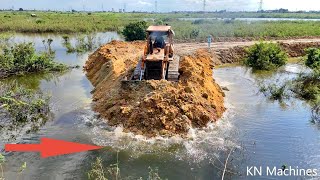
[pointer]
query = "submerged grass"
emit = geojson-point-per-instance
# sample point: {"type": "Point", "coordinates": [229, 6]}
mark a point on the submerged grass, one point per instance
{"type": "Point", "coordinates": [2, 159]}
{"type": "Point", "coordinates": [20, 107]}
{"type": "Point", "coordinates": [275, 92]}
{"type": "Point", "coordinates": [307, 86]}
{"type": "Point", "coordinates": [83, 43]}
{"type": "Point", "coordinates": [99, 172]}
{"type": "Point", "coordinates": [316, 113]}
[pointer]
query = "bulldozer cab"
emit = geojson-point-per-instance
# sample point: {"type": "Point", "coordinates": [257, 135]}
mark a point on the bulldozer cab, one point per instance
{"type": "Point", "coordinates": [158, 60]}
{"type": "Point", "coordinates": [158, 38]}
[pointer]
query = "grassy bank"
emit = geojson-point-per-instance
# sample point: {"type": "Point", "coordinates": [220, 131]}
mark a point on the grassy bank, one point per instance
{"type": "Point", "coordinates": [58, 22]}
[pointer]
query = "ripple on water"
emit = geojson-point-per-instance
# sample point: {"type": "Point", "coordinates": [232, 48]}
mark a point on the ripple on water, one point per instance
{"type": "Point", "coordinates": [201, 144]}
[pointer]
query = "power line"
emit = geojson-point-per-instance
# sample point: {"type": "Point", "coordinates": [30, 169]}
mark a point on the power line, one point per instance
{"type": "Point", "coordinates": [204, 5]}
{"type": "Point", "coordinates": [261, 5]}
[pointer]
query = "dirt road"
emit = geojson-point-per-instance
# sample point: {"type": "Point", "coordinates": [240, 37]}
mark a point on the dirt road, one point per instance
{"type": "Point", "coordinates": [231, 52]}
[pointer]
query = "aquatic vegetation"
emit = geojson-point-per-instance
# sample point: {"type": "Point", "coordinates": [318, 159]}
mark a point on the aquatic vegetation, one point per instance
{"type": "Point", "coordinates": [274, 91]}
{"type": "Point", "coordinates": [47, 46]}
{"type": "Point", "coordinates": [2, 159]}
{"type": "Point", "coordinates": [84, 43]}
{"type": "Point", "coordinates": [265, 56]}
{"type": "Point", "coordinates": [316, 113]}
{"type": "Point", "coordinates": [5, 39]}
{"type": "Point", "coordinates": [307, 86]}
{"type": "Point", "coordinates": [313, 58]}
{"type": "Point", "coordinates": [23, 58]}
{"type": "Point", "coordinates": [99, 172]}
{"type": "Point", "coordinates": [22, 110]}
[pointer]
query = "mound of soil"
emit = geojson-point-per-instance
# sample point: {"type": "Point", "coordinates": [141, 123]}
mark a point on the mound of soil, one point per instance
{"type": "Point", "coordinates": [231, 55]}
{"type": "Point", "coordinates": [153, 108]}
{"type": "Point", "coordinates": [297, 49]}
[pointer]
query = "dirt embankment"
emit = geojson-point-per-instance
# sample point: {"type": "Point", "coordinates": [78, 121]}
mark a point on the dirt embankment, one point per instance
{"type": "Point", "coordinates": [238, 53]}
{"type": "Point", "coordinates": [297, 49]}
{"type": "Point", "coordinates": [153, 108]}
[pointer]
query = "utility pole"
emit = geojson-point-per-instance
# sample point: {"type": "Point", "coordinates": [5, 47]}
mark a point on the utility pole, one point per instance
{"type": "Point", "coordinates": [260, 6]}
{"type": "Point", "coordinates": [83, 5]}
{"type": "Point", "coordinates": [102, 8]}
{"type": "Point", "coordinates": [204, 5]}
{"type": "Point", "coordinates": [156, 6]}
{"type": "Point", "coordinates": [125, 7]}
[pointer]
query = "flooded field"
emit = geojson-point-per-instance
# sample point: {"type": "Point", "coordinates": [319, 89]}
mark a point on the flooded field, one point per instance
{"type": "Point", "coordinates": [256, 130]}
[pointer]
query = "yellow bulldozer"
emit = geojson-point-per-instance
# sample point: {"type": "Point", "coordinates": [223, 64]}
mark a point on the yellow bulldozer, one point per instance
{"type": "Point", "coordinates": [158, 61]}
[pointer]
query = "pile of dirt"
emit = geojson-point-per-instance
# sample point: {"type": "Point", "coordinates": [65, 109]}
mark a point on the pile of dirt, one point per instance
{"type": "Point", "coordinates": [231, 55]}
{"type": "Point", "coordinates": [153, 108]}
{"type": "Point", "coordinates": [297, 49]}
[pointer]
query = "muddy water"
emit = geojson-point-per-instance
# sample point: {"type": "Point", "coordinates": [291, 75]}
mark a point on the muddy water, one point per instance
{"type": "Point", "coordinates": [262, 132]}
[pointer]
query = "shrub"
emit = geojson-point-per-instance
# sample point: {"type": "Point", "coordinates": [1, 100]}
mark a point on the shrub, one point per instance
{"type": "Point", "coordinates": [194, 33]}
{"type": "Point", "coordinates": [275, 92]}
{"type": "Point", "coordinates": [265, 56]}
{"type": "Point", "coordinates": [21, 58]}
{"type": "Point", "coordinates": [135, 31]}
{"type": "Point", "coordinates": [308, 86]}
{"type": "Point", "coordinates": [313, 58]}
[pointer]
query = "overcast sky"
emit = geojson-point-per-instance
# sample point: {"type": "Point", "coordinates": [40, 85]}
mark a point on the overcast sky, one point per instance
{"type": "Point", "coordinates": [163, 5]}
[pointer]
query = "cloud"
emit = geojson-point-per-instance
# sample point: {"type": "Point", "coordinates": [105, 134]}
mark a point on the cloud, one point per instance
{"type": "Point", "coordinates": [163, 5]}
{"type": "Point", "coordinates": [144, 3]}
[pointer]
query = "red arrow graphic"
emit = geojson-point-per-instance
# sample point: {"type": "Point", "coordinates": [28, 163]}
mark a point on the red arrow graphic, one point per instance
{"type": "Point", "coordinates": [51, 147]}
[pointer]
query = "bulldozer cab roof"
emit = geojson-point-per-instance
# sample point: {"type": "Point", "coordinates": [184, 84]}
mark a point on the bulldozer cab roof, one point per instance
{"type": "Point", "coordinates": [159, 29]}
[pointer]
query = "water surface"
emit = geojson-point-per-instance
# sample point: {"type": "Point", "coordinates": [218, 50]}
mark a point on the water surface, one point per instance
{"type": "Point", "coordinates": [262, 132]}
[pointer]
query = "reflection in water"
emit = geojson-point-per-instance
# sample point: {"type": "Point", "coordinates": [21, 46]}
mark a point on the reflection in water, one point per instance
{"type": "Point", "coordinates": [316, 113]}
{"type": "Point", "coordinates": [34, 80]}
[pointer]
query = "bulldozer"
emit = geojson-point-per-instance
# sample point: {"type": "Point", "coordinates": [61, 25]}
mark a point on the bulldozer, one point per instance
{"type": "Point", "coordinates": [158, 61]}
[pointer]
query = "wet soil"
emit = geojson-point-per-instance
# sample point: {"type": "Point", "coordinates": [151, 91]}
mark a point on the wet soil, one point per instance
{"type": "Point", "coordinates": [153, 108]}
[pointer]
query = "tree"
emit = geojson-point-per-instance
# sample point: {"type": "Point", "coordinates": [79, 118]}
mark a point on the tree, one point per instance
{"type": "Point", "coordinates": [135, 31]}
{"type": "Point", "coordinates": [20, 9]}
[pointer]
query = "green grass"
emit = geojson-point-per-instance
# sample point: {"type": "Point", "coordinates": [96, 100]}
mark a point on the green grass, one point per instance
{"type": "Point", "coordinates": [58, 22]}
